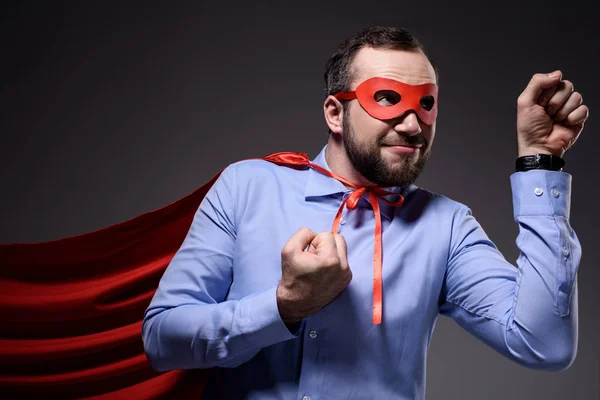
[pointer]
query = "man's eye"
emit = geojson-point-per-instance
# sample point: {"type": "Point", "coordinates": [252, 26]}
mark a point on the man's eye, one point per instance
{"type": "Point", "coordinates": [427, 102]}
{"type": "Point", "coordinates": [387, 97]}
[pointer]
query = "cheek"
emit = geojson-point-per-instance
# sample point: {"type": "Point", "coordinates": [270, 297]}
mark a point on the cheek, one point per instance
{"type": "Point", "coordinates": [366, 127]}
{"type": "Point", "coordinates": [429, 133]}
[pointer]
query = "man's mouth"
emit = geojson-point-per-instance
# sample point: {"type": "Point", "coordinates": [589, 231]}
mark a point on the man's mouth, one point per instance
{"type": "Point", "coordinates": [416, 146]}
{"type": "Point", "coordinates": [403, 149]}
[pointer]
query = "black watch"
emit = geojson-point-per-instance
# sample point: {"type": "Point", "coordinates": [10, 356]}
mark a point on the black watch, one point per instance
{"type": "Point", "coordinates": [539, 161]}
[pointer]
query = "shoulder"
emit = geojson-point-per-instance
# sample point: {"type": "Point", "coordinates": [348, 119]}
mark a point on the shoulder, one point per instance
{"type": "Point", "coordinates": [421, 194]}
{"type": "Point", "coordinates": [435, 203]}
{"type": "Point", "coordinates": [254, 175]}
{"type": "Point", "coordinates": [260, 168]}
{"type": "Point", "coordinates": [253, 165]}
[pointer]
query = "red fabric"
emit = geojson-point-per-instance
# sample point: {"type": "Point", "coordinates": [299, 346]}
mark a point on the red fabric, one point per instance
{"type": "Point", "coordinates": [71, 309]}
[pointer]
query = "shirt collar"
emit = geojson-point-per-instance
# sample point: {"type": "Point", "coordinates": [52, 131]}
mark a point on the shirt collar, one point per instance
{"type": "Point", "coordinates": [319, 185]}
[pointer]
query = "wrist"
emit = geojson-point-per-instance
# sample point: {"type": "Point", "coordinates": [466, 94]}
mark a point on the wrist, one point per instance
{"type": "Point", "coordinates": [285, 305]}
{"type": "Point", "coordinates": [532, 151]}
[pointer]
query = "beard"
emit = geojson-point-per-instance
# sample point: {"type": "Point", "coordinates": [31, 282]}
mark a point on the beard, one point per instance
{"type": "Point", "coordinates": [368, 161]}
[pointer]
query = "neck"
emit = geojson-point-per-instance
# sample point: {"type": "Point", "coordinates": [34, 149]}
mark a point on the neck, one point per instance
{"type": "Point", "coordinates": [339, 163]}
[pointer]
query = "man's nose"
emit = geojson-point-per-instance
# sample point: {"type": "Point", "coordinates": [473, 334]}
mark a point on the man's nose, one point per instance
{"type": "Point", "coordinates": [408, 123]}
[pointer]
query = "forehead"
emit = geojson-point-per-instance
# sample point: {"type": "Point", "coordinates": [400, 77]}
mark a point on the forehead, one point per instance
{"type": "Point", "coordinates": [411, 67]}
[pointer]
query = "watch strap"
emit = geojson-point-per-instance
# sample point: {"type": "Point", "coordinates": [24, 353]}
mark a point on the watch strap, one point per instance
{"type": "Point", "coordinates": [539, 161]}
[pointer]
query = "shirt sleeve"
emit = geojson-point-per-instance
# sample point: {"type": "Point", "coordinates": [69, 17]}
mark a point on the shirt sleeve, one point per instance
{"type": "Point", "coordinates": [188, 323]}
{"type": "Point", "coordinates": [528, 312]}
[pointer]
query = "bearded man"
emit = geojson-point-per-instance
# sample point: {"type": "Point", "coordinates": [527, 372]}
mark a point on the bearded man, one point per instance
{"type": "Point", "coordinates": [323, 278]}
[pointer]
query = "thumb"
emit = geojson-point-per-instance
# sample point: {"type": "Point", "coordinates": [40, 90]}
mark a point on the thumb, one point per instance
{"type": "Point", "coordinates": [300, 240]}
{"type": "Point", "coordinates": [536, 86]}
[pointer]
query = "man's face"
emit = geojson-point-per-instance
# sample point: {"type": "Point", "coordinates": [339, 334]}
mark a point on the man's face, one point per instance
{"type": "Point", "coordinates": [370, 142]}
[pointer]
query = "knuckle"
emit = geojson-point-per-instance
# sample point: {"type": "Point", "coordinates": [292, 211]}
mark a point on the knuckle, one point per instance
{"type": "Point", "coordinates": [319, 235]}
{"type": "Point", "coordinates": [340, 239]}
{"type": "Point", "coordinates": [329, 239]}
{"type": "Point", "coordinates": [568, 85]}
{"type": "Point", "coordinates": [348, 277]}
{"type": "Point", "coordinates": [553, 102]}
{"type": "Point", "coordinates": [585, 111]}
{"type": "Point", "coordinates": [303, 230]}
{"type": "Point", "coordinates": [286, 252]}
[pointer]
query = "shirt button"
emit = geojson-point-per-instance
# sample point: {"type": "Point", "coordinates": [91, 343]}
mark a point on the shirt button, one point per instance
{"type": "Point", "coordinates": [342, 221]}
{"type": "Point", "coordinates": [306, 397]}
{"type": "Point", "coordinates": [555, 193]}
{"type": "Point", "coordinates": [538, 191]}
{"type": "Point", "coordinates": [565, 251]}
{"type": "Point", "coordinates": [313, 334]}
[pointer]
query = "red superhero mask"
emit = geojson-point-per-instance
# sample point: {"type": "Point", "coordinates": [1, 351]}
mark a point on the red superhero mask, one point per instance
{"type": "Point", "coordinates": [385, 98]}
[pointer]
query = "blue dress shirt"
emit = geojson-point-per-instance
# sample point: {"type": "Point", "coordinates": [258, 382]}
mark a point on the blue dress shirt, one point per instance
{"type": "Point", "coordinates": [215, 305]}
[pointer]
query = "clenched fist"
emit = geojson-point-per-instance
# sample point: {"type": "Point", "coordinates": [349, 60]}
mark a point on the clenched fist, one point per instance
{"type": "Point", "coordinates": [315, 271]}
{"type": "Point", "coordinates": [550, 115]}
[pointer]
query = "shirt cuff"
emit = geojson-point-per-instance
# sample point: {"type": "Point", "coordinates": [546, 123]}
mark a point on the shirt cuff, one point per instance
{"type": "Point", "coordinates": [260, 322]}
{"type": "Point", "coordinates": [541, 192]}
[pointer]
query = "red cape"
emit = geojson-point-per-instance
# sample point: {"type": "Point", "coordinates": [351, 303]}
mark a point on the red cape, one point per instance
{"type": "Point", "coordinates": [71, 309]}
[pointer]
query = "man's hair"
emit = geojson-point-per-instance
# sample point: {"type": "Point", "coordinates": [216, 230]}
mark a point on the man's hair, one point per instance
{"type": "Point", "coordinates": [338, 73]}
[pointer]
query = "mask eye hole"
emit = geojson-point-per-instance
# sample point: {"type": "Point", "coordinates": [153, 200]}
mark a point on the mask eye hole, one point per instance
{"type": "Point", "coordinates": [387, 97]}
{"type": "Point", "coordinates": [427, 102]}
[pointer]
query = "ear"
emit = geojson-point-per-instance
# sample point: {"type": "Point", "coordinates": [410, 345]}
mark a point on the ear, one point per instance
{"type": "Point", "coordinates": [334, 114]}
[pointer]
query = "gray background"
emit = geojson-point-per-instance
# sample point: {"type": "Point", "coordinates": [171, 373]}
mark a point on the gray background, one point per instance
{"type": "Point", "coordinates": [109, 111]}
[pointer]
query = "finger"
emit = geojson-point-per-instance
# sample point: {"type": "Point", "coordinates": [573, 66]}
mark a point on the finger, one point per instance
{"type": "Point", "coordinates": [324, 243]}
{"type": "Point", "coordinates": [563, 92]}
{"type": "Point", "coordinates": [299, 240]}
{"type": "Point", "coordinates": [536, 85]}
{"type": "Point", "coordinates": [311, 248]}
{"type": "Point", "coordinates": [574, 101]}
{"type": "Point", "coordinates": [577, 116]}
{"type": "Point", "coordinates": [546, 95]}
{"type": "Point", "coordinates": [342, 250]}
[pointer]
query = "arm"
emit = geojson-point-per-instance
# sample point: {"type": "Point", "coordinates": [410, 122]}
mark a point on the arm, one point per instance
{"type": "Point", "coordinates": [188, 323]}
{"type": "Point", "coordinates": [528, 314]}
